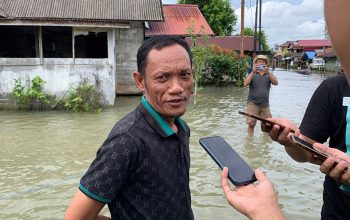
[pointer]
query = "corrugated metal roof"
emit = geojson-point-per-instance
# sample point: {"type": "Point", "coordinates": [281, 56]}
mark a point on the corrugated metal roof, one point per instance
{"type": "Point", "coordinates": [96, 10]}
{"type": "Point", "coordinates": [228, 42]}
{"type": "Point", "coordinates": [315, 43]}
{"type": "Point", "coordinates": [177, 19]}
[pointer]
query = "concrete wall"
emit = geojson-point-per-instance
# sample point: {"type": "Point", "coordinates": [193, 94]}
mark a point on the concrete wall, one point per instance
{"type": "Point", "coordinates": [59, 74]}
{"type": "Point", "coordinates": [115, 72]}
{"type": "Point", "coordinates": [127, 43]}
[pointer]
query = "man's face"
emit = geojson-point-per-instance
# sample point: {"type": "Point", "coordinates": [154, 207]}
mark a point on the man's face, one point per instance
{"type": "Point", "coordinates": [338, 23]}
{"type": "Point", "coordinates": [261, 62]}
{"type": "Point", "coordinates": [167, 82]}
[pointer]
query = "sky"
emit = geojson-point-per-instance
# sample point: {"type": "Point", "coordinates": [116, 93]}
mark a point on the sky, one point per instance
{"type": "Point", "coordinates": [282, 20]}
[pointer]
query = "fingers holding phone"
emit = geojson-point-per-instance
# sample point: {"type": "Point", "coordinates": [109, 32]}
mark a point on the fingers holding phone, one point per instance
{"type": "Point", "coordinates": [281, 130]}
{"type": "Point", "coordinates": [336, 165]}
{"type": "Point", "coordinates": [255, 201]}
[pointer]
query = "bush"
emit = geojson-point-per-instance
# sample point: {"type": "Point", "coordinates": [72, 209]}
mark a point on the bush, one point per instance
{"type": "Point", "coordinates": [216, 66]}
{"type": "Point", "coordinates": [25, 99]}
{"type": "Point", "coordinates": [85, 97]}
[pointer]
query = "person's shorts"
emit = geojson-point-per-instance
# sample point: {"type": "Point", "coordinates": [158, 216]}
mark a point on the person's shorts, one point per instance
{"type": "Point", "coordinates": [254, 109]}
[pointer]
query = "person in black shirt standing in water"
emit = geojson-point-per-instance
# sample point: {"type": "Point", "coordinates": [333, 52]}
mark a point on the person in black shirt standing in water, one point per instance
{"type": "Point", "coordinates": [141, 171]}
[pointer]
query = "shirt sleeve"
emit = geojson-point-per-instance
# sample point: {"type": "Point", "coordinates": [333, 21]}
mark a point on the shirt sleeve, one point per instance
{"type": "Point", "coordinates": [114, 162]}
{"type": "Point", "coordinates": [317, 118]}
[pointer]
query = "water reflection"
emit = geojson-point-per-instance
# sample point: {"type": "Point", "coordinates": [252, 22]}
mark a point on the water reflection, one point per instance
{"type": "Point", "coordinates": [44, 154]}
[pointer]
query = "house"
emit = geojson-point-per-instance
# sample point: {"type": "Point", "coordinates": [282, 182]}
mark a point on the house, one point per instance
{"type": "Point", "coordinates": [228, 42]}
{"type": "Point", "coordinates": [312, 45]}
{"type": "Point", "coordinates": [66, 41]}
{"type": "Point", "coordinates": [180, 20]}
{"type": "Point", "coordinates": [301, 52]}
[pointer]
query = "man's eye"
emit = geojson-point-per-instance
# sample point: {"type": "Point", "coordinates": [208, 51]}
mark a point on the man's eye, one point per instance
{"type": "Point", "coordinates": [186, 75]}
{"type": "Point", "coordinates": [162, 78]}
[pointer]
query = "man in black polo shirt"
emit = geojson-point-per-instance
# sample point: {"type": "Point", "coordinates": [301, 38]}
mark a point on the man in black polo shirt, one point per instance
{"type": "Point", "coordinates": [142, 169]}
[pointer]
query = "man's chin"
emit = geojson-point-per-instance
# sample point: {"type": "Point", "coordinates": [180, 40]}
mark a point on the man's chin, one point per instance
{"type": "Point", "coordinates": [174, 114]}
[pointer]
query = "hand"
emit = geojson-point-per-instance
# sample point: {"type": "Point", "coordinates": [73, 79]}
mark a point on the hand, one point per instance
{"type": "Point", "coordinates": [339, 172]}
{"type": "Point", "coordinates": [255, 201]}
{"type": "Point", "coordinates": [255, 68]}
{"type": "Point", "coordinates": [281, 135]}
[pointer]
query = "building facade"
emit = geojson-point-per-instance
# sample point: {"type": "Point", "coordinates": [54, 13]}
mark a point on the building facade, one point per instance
{"type": "Point", "coordinates": [68, 41]}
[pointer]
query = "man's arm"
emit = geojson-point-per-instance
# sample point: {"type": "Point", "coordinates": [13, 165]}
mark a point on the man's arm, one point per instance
{"type": "Point", "coordinates": [248, 79]}
{"type": "Point", "coordinates": [273, 79]}
{"type": "Point", "coordinates": [282, 136]}
{"type": "Point", "coordinates": [82, 207]}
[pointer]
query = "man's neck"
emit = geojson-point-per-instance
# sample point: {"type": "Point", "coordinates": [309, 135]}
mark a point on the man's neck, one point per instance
{"type": "Point", "coordinates": [171, 123]}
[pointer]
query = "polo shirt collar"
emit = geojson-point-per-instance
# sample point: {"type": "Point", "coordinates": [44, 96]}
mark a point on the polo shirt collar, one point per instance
{"type": "Point", "coordinates": [165, 128]}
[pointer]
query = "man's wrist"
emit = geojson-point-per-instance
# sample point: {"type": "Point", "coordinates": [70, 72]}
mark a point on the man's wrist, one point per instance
{"type": "Point", "coordinates": [272, 212]}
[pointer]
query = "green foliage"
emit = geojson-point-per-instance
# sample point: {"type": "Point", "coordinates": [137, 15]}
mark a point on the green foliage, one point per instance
{"type": "Point", "coordinates": [216, 66]}
{"type": "Point", "coordinates": [222, 67]}
{"type": "Point", "coordinates": [250, 32]}
{"type": "Point", "coordinates": [26, 98]}
{"type": "Point", "coordinates": [85, 97]}
{"type": "Point", "coordinates": [218, 13]}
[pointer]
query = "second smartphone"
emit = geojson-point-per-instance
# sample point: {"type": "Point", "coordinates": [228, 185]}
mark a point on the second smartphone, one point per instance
{"type": "Point", "coordinates": [240, 173]}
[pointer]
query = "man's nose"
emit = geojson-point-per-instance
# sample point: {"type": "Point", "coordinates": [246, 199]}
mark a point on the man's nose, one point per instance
{"type": "Point", "coordinates": [176, 85]}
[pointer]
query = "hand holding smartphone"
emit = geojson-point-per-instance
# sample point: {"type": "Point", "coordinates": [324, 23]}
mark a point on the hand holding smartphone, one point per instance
{"type": "Point", "coordinates": [240, 173]}
{"type": "Point", "coordinates": [264, 120]}
{"type": "Point", "coordinates": [315, 153]}
{"type": "Point", "coordinates": [308, 147]}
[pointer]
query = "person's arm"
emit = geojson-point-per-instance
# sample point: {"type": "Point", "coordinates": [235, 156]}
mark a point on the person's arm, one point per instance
{"type": "Point", "coordinates": [249, 77]}
{"type": "Point", "coordinates": [282, 136]}
{"type": "Point", "coordinates": [82, 207]}
{"type": "Point", "coordinates": [273, 78]}
{"type": "Point", "coordinates": [257, 202]}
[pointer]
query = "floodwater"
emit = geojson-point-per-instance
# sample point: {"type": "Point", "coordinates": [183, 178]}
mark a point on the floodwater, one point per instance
{"type": "Point", "coordinates": [44, 154]}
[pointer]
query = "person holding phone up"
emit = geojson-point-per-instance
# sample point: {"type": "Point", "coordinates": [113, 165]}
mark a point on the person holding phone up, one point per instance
{"type": "Point", "coordinates": [338, 177]}
{"type": "Point", "coordinates": [259, 81]}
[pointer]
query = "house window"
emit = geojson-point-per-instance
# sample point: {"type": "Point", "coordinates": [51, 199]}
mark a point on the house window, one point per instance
{"type": "Point", "coordinates": [88, 44]}
{"type": "Point", "coordinates": [57, 42]}
{"type": "Point", "coordinates": [19, 42]}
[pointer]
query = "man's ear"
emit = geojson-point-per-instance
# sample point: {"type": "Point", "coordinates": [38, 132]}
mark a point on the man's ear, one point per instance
{"type": "Point", "coordinates": [139, 80]}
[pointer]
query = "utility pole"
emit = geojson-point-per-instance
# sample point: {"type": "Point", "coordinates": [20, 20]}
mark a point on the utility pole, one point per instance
{"type": "Point", "coordinates": [255, 27]}
{"type": "Point", "coordinates": [260, 34]}
{"type": "Point", "coordinates": [241, 54]}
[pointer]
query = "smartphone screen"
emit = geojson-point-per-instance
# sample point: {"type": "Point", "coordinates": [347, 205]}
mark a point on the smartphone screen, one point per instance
{"type": "Point", "coordinates": [240, 173]}
{"type": "Point", "coordinates": [264, 120]}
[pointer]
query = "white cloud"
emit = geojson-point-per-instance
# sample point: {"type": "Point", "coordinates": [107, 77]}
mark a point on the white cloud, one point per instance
{"type": "Point", "coordinates": [284, 21]}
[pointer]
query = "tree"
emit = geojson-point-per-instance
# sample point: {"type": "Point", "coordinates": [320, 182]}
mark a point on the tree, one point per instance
{"type": "Point", "coordinates": [250, 32]}
{"type": "Point", "coordinates": [218, 13]}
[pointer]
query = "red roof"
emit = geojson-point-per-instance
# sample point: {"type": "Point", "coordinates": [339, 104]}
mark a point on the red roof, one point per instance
{"type": "Point", "coordinates": [229, 42]}
{"type": "Point", "coordinates": [315, 43]}
{"type": "Point", "coordinates": [177, 20]}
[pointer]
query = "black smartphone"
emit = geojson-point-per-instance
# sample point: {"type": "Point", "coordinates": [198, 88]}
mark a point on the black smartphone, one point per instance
{"type": "Point", "coordinates": [264, 120]}
{"type": "Point", "coordinates": [240, 173]}
{"type": "Point", "coordinates": [308, 147]}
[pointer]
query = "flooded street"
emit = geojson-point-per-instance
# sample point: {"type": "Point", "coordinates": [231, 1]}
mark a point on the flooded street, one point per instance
{"type": "Point", "coordinates": [44, 154]}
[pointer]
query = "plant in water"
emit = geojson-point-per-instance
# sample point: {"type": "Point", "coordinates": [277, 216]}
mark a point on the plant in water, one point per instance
{"type": "Point", "coordinates": [85, 97]}
{"type": "Point", "coordinates": [25, 99]}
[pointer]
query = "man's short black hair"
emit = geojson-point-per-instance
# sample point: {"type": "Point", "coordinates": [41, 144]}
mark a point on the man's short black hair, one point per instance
{"type": "Point", "coordinates": [158, 43]}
